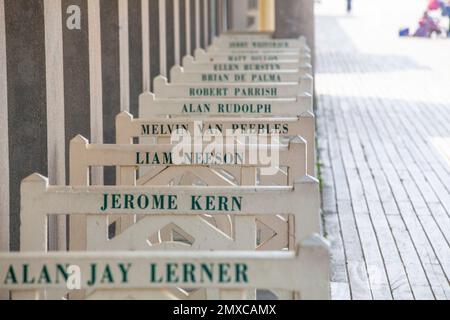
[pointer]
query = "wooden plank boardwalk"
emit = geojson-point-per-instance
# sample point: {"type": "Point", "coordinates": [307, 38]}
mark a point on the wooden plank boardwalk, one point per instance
{"type": "Point", "coordinates": [383, 112]}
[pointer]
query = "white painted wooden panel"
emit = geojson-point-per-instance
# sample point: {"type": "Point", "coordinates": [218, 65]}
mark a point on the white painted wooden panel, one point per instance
{"type": "Point", "coordinates": [306, 272]}
{"type": "Point", "coordinates": [151, 107]}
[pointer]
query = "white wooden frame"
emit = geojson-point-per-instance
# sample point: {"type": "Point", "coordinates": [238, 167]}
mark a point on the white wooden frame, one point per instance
{"type": "Point", "coordinates": [191, 65]}
{"type": "Point", "coordinates": [128, 128]}
{"type": "Point", "coordinates": [302, 81]}
{"type": "Point", "coordinates": [150, 106]}
{"type": "Point", "coordinates": [244, 43]}
{"type": "Point", "coordinates": [305, 272]}
{"type": "Point", "coordinates": [201, 55]}
{"type": "Point", "coordinates": [84, 155]}
{"type": "Point", "coordinates": [181, 89]}
{"type": "Point", "coordinates": [39, 201]}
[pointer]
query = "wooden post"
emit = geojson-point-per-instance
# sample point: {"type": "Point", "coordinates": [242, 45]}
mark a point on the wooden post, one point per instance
{"type": "Point", "coordinates": [95, 80]}
{"type": "Point", "coordinates": [55, 111]}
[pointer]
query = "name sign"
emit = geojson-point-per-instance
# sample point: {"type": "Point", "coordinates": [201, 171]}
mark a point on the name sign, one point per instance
{"type": "Point", "coordinates": [163, 89]}
{"type": "Point", "coordinates": [145, 270]}
{"type": "Point", "coordinates": [180, 75]}
{"type": "Point", "coordinates": [290, 107]}
{"type": "Point", "coordinates": [99, 273]}
{"type": "Point", "coordinates": [259, 44]}
{"type": "Point", "coordinates": [202, 56]}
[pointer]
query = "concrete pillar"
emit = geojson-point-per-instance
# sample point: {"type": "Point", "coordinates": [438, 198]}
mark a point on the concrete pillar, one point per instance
{"type": "Point", "coordinates": [170, 36]}
{"type": "Point", "coordinates": [202, 23]}
{"type": "Point", "coordinates": [26, 92]}
{"type": "Point", "coordinates": [219, 16]}
{"type": "Point", "coordinates": [135, 53]}
{"type": "Point", "coordinates": [76, 70]}
{"type": "Point", "coordinates": [154, 39]}
{"type": "Point", "coordinates": [183, 29]}
{"type": "Point", "coordinates": [193, 28]}
{"type": "Point", "coordinates": [206, 27]}
{"type": "Point", "coordinates": [110, 48]}
{"type": "Point", "coordinates": [213, 19]}
{"type": "Point", "coordinates": [4, 159]}
{"type": "Point", "coordinates": [294, 18]}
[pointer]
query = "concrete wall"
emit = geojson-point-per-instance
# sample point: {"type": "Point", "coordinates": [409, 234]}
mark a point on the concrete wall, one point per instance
{"type": "Point", "coordinates": [294, 18]}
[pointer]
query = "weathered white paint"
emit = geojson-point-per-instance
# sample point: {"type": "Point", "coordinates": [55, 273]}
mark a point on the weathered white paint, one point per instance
{"type": "Point", "coordinates": [145, 45]}
{"type": "Point", "coordinates": [162, 38]}
{"type": "Point", "coordinates": [124, 56]}
{"type": "Point", "coordinates": [306, 271]}
{"type": "Point", "coordinates": [55, 110]}
{"type": "Point", "coordinates": [176, 24]}
{"type": "Point", "coordinates": [95, 78]}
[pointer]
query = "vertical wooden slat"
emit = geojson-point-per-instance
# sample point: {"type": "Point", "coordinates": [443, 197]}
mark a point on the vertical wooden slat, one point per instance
{"type": "Point", "coordinates": [4, 159]}
{"type": "Point", "coordinates": [154, 40]}
{"type": "Point", "coordinates": [176, 26]}
{"type": "Point", "coordinates": [55, 111]}
{"type": "Point", "coordinates": [95, 79]}
{"type": "Point", "coordinates": [27, 108]}
{"type": "Point", "coordinates": [135, 53]}
{"type": "Point", "coordinates": [146, 80]}
{"type": "Point", "coordinates": [162, 38]}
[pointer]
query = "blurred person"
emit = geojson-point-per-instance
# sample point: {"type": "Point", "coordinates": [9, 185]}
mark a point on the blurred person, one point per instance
{"type": "Point", "coordinates": [434, 5]}
{"type": "Point", "coordinates": [445, 8]}
{"type": "Point", "coordinates": [427, 26]}
{"type": "Point", "coordinates": [349, 6]}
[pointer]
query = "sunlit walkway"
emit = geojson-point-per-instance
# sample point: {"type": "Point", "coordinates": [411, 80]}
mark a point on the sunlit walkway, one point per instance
{"type": "Point", "coordinates": [384, 146]}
